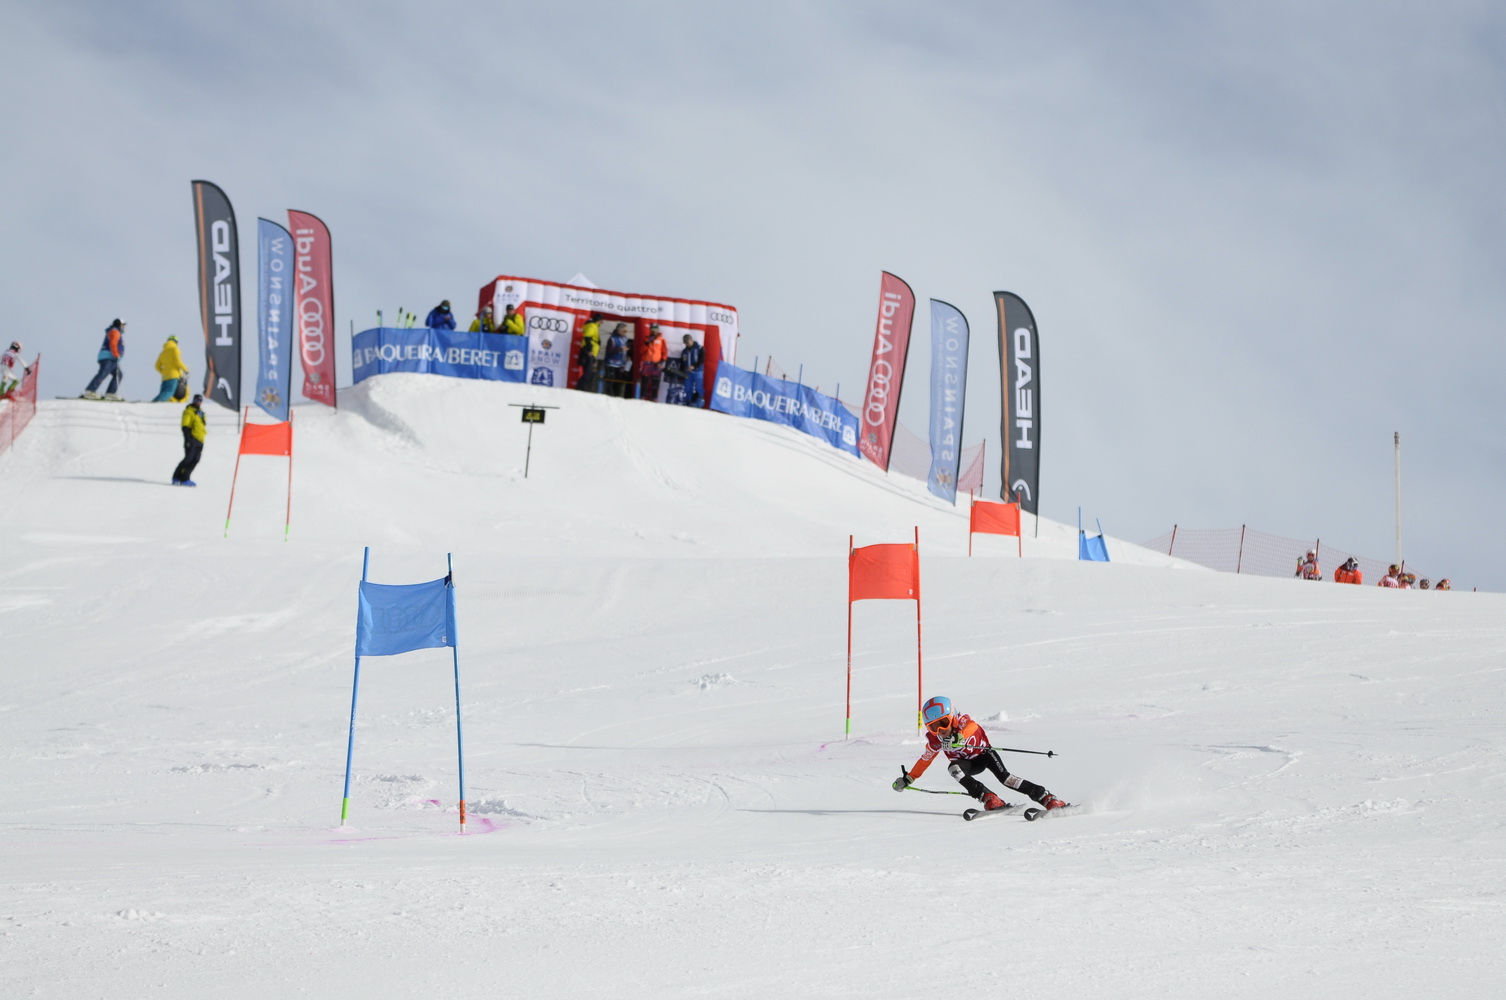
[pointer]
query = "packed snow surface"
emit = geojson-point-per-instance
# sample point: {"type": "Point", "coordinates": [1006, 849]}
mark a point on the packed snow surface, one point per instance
{"type": "Point", "coordinates": [1291, 789]}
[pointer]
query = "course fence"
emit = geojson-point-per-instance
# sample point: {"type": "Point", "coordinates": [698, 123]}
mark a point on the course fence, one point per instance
{"type": "Point", "coordinates": [1244, 550]}
{"type": "Point", "coordinates": [17, 409]}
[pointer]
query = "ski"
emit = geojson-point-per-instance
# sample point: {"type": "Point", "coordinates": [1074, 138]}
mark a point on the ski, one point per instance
{"type": "Point", "coordinates": [972, 814]}
{"type": "Point", "coordinates": [1036, 812]}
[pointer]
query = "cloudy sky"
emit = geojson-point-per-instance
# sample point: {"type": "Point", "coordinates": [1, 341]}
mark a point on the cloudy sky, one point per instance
{"type": "Point", "coordinates": [1258, 239]}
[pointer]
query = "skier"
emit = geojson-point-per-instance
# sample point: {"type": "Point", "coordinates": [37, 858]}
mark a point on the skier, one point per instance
{"type": "Point", "coordinates": [194, 433]}
{"type": "Point", "coordinates": [110, 353]}
{"type": "Point", "coordinates": [966, 745]}
{"type": "Point", "coordinates": [1307, 566]}
{"type": "Point", "coordinates": [172, 369]}
{"type": "Point", "coordinates": [13, 370]}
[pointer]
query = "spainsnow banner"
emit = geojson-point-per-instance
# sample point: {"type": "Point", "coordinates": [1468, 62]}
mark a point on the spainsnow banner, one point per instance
{"type": "Point", "coordinates": [886, 371]}
{"type": "Point", "coordinates": [274, 272]}
{"type": "Point", "coordinates": [497, 357]}
{"type": "Point", "coordinates": [949, 337]}
{"type": "Point", "coordinates": [549, 335]}
{"type": "Point", "coordinates": [1020, 410]}
{"type": "Point", "coordinates": [219, 293]}
{"type": "Point", "coordinates": [314, 305]}
{"type": "Point", "coordinates": [742, 393]}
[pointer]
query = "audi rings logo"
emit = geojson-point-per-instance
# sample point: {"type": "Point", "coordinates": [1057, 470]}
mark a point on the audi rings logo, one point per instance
{"type": "Point", "coordinates": [878, 393]}
{"type": "Point", "coordinates": [549, 324]}
{"type": "Point", "coordinates": [719, 317]}
{"type": "Point", "coordinates": [311, 325]}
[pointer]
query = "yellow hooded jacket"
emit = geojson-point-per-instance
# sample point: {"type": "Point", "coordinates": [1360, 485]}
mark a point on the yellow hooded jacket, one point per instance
{"type": "Point", "coordinates": [193, 420]}
{"type": "Point", "coordinates": [170, 361]}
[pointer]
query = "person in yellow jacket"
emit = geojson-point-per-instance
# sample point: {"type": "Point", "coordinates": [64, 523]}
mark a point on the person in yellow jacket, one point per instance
{"type": "Point", "coordinates": [590, 350]}
{"type": "Point", "coordinates": [483, 321]}
{"type": "Point", "coordinates": [172, 369]}
{"type": "Point", "coordinates": [512, 321]}
{"type": "Point", "coordinates": [194, 433]}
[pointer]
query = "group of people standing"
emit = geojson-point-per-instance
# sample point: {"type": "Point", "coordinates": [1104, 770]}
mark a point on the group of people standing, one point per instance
{"type": "Point", "coordinates": [1396, 576]}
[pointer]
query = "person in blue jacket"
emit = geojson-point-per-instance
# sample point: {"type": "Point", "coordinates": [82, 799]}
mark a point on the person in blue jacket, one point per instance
{"type": "Point", "coordinates": [440, 317]}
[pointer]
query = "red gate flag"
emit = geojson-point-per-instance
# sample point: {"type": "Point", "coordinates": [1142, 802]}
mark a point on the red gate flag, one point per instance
{"type": "Point", "coordinates": [995, 518]}
{"type": "Point", "coordinates": [267, 439]}
{"type": "Point", "coordinates": [883, 572]}
{"type": "Point", "coordinates": [314, 305]}
{"type": "Point", "coordinates": [886, 371]}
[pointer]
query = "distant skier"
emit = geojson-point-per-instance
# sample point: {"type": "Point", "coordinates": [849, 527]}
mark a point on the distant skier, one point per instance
{"type": "Point", "coordinates": [13, 370]}
{"type": "Point", "coordinates": [194, 432]}
{"type": "Point", "coordinates": [1392, 577]}
{"type": "Point", "coordinates": [1350, 572]}
{"type": "Point", "coordinates": [966, 745]}
{"type": "Point", "coordinates": [110, 353]}
{"type": "Point", "coordinates": [440, 317]}
{"type": "Point", "coordinates": [172, 369]}
{"type": "Point", "coordinates": [1307, 566]}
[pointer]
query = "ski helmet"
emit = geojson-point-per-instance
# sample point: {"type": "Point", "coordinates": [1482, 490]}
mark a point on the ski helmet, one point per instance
{"type": "Point", "coordinates": [15, 345]}
{"type": "Point", "coordinates": [937, 713]}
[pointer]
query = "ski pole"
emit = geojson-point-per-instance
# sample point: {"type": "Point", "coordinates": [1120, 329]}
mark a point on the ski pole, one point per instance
{"type": "Point", "coordinates": [1043, 753]}
{"type": "Point", "coordinates": [928, 791]}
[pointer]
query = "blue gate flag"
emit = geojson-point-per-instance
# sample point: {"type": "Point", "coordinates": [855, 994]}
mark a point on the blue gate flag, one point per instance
{"type": "Point", "coordinates": [274, 369]}
{"type": "Point", "coordinates": [949, 336]}
{"type": "Point", "coordinates": [742, 393]}
{"type": "Point", "coordinates": [1091, 549]}
{"type": "Point", "coordinates": [396, 619]}
{"type": "Point", "coordinates": [496, 357]}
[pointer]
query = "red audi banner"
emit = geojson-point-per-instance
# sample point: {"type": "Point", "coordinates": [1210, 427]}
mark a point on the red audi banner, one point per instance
{"type": "Point", "coordinates": [314, 305]}
{"type": "Point", "coordinates": [886, 372]}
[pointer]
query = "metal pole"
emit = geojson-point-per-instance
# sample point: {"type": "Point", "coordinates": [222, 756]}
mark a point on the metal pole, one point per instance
{"type": "Point", "coordinates": [355, 687]}
{"type": "Point", "coordinates": [847, 733]}
{"type": "Point", "coordinates": [1240, 559]}
{"type": "Point", "coordinates": [529, 453]}
{"type": "Point", "coordinates": [1398, 497]}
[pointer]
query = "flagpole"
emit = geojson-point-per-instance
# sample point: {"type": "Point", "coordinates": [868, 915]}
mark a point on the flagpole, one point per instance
{"type": "Point", "coordinates": [288, 517]}
{"type": "Point", "coordinates": [848, 733]}
{"type": "Point", "coordinates": [355, 687]}
{"type": "Point", "coordinates": [920, 672]}
{"type": "Point", "coordinates": [233, 477]}
{"type": "Point", "coordinates": [455, 654]}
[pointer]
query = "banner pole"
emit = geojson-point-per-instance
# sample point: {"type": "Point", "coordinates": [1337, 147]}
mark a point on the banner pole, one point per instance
{"type": "Point", "coordinates": [287, 518]}
{"type": "Point", "coordinates": [847, 733]}
{"type": "Point", "coordinates": [355, 687]}
{"type": "Point", "coordinates": [1019, 536]}
{"type": "Point", "coordinates": [455, 654]}
{"type": "Point", "coordinates": [971, 503]}
{"type": "Point", "coordinates": [920, 670]}
{"type": "Point", "coordinates": [233, 477]}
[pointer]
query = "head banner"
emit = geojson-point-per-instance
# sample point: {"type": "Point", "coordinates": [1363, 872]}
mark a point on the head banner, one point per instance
{"type": "Point", "coordinates": [274, 370]}
{"type": "Point", "coordinates": [1020, 409]}
{"type": "Point", "coordinates": [219, 293]}
{"type": "Point", "coordinates": [314, 298]}
{"type": "Point", "coordinates": [886, 371]}
{"type": "Point", "coordinates": [949, 337]}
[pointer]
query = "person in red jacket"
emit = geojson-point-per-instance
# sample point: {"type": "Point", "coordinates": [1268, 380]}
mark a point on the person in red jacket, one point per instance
{"type": "Point", "coordinates": [967, 748]}
{"type": "Point", "coordinates": [651, 368]}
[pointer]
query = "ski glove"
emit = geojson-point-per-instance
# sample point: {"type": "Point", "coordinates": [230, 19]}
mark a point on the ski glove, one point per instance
{"type": "Point", "coordinates": [902, 782]}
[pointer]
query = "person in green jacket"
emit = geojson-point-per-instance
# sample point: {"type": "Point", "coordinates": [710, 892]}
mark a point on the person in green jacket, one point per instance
{"type": "Point", "coordinates": [170, 366]}
{"type": "Point", "coordinates": [590, 350]}
{"type": "Point", "coordinates": [194, 433]}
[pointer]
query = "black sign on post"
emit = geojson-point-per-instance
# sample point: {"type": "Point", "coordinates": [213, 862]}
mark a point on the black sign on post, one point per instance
{"type": "Point", "coordinates": [532, 414]}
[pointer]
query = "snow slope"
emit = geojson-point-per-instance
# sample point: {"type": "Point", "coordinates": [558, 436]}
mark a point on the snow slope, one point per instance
{"type": "Point", "coordinates": [1292, 789]}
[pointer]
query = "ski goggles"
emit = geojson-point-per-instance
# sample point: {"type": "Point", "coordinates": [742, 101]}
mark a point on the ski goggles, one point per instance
{"type": "Point", "coordinates": [938, 725]}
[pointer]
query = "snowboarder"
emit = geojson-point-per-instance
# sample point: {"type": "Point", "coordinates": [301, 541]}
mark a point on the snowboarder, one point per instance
{"type": "Point", "coordinates": [172, 369]}
{"type": "Point", "coordinates": [966, 745]}
{"type": "Point", "coordinates": [110, 353]}
{"type": "Point", "coordinates": [194, 433]}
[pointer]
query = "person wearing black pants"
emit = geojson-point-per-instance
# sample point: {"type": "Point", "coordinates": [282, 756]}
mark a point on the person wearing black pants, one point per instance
{"type": "Point", "coordinates": [194, 432]}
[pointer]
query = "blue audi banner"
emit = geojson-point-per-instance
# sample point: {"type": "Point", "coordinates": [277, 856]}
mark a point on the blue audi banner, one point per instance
{"type": "Point", "coordinates": [948, 388]}
{"type": "Point", "coordinates": [497, 357]}
{"type": "Point", "coordinates": [748, 394]}
{"type": "Point", "coordinates": [274, 369]}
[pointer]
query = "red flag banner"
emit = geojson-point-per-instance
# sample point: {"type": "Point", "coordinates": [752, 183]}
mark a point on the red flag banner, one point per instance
{"type": "Point", "coordinates": [886, 372]}
{"type": "Point", "coordinates": [883, 572]}
{"type": "Point", "coordinates": [267, 439]}
{"type": "Point", "coordinates": [995, 518]}
{"type": "Point", "coordinates": [314, 301]}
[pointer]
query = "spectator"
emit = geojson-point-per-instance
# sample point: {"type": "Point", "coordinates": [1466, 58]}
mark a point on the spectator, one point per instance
{"type": "Point", "coordinates": [194, 433]}
{"type": "Point", "coordinates": [512, 322]}
{"type": "Point", "coordinates": [13, 370]}
{"type": "Point", "coordinates": [619, 359]}
{"type": "Point", "coordinates": [1407, 580]}
{"type": "Point", "coordinates": [590, 350]}
{"type": "Point", "coordinates": [170, 366]}
{"type": "Point", "coordinates": [692, 357]}
{"type": "Point", "coordinates": [110, 353]}
{"type": "Point", "coordinates": [483, 322]}
{"type": "Point", "coordinates": [651, 368]}
{"type": "Point", "coordinates": [1444, 585]}
{"type": "Point", "coordinates": [440, 317]}
{"type": "Point", "coordinates": [1307, 566]}
{"type": "Point", "coordinates": [1349, 572]}
{"type": "Point", "coordinates": [1424, 584]}
{"type": "Point", "coordinates": [1390, 579]}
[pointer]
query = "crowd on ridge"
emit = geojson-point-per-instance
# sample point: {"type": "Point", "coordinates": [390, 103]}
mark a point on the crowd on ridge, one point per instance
{"type": "Point", "coordinates": [1396, 576]}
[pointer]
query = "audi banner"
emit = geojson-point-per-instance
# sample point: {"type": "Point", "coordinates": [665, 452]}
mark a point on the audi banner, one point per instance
{"type": "Point", "coordinates": [886, 372]}
{"type": "Point", "coordinates": [219, 293]}
{"type": "Point", "coordinates": [314, 306]}
{"type": "Point", "coordinates": [1020, 411]}
{"type": "Point", "coordinates": [549, 334]}
{"type": "Point", "coordinates": [949, 335]}
{"type": "Point", "coordinates": [274, 370]}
